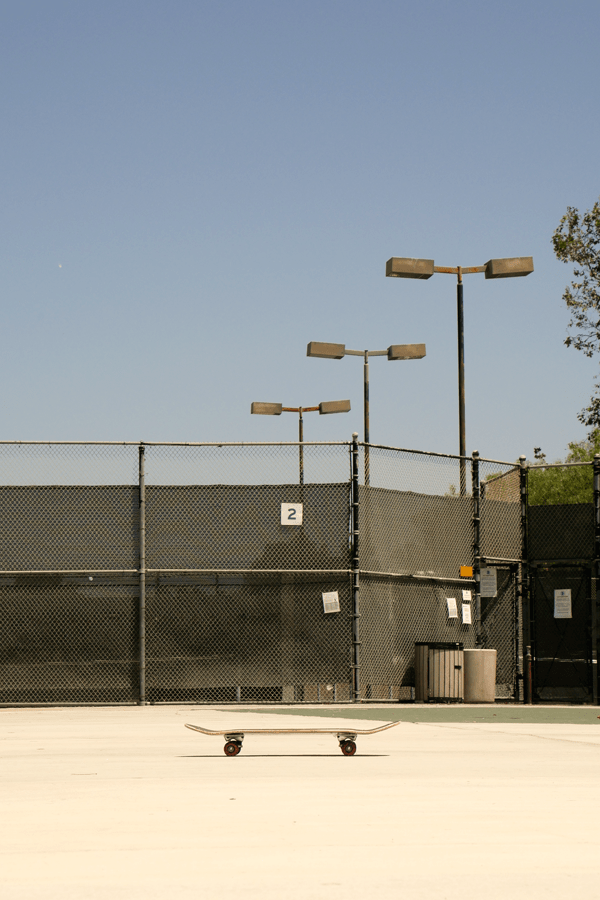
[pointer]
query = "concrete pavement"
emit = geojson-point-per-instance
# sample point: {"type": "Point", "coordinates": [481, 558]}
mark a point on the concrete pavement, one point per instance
{"type": "Point", "coordinates": [127, 803]}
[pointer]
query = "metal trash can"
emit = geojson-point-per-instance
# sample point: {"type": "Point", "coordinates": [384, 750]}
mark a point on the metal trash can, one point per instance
{"type": "Point", "coordinates": [439, 671]}
{"type": "Point", "coordinates": [480, 676]}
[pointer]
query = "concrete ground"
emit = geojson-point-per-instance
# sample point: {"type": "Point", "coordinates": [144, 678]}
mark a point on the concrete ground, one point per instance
{"type": "Point", "coordinates": [127, 803]}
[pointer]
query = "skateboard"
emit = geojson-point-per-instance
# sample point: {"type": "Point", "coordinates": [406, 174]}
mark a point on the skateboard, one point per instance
{"type": "Point", "coordinates": [347, 739]}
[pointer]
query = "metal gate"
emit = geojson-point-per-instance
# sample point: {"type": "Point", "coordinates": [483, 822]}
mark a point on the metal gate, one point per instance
{"type": "Point", "coordinates": [501, 630]}
{"type": "Point", "coordinates": [562, 666]}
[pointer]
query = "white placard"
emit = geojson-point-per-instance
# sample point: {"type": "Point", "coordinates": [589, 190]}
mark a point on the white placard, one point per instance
{"type": "Point", "coordinates": [291, 514]}
{"type": "Point", "coordinates": [466, 613]}
{"type": "Point", "coordinates": [467, 596]}
{"type": "Point", "coordinates": [489, 583]}
{"type": "Point", "coordinates": [452, 611]}
{"type": "Point", "coordinates": [331, 602]}
{"type": "Point", "coordinates": [562, 604]}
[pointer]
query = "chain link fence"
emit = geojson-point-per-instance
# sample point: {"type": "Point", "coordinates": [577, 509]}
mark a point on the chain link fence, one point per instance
{"type": "Point", "coordinates": [428, 523]}
{"type": "Point", "coordinates": [563, 513]}
{"type": "Point", "coordinates": [69, 639]}
{"type": "Point", "coordinates": [247, 638]}
{"type": "Point", "coordinates": [223, 573]}
{"type": "Point", "coordinates": [500, 510]}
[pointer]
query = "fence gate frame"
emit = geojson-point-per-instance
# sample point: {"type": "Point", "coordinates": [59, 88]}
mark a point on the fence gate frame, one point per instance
{"type": "Point", "coordinates": [536, 601]}
{"type": "Point", "coordinates": [579, 574]}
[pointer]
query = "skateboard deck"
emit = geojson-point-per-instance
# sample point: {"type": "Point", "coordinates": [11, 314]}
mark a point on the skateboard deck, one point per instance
{"type": "Point", "coordinates": [346, 737]}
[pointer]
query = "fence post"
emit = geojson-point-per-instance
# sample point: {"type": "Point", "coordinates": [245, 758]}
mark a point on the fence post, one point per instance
{"type": "Point", "coordinates": [142, 571]}
{"type": "Point", "coordinates": [595, 575]}
{"type": "Point", "coordinates": [525, 584]}
{"type": "Point", "coordinates": [476, 543]}
{"type": "Point", "coordinates": [355, 575]}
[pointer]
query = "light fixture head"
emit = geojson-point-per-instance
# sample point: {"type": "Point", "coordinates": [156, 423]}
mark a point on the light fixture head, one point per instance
{"type": "Point", "coordinates": [406, 267]}
{"type": "Point", "coordinates": [325, 351]}
{"type": "Point", "coordinates": [334, 406]}
{"type": "Point", "coordinates": [406, 351]}
{"type": "Point", "coordinates": [511, 267]}
{"type": "Point", "coordinates": [266, 409]}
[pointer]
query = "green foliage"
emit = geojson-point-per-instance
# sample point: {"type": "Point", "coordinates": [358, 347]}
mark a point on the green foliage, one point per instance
{"type": "Point", "coordinates": [549, 487]}
{"type": "Point", "coordinates": [577, 240]}
{"type": "Point", "coordinates": [568, 484]}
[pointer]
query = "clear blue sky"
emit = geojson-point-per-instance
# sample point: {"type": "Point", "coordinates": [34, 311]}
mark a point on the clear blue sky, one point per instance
{"type": "Point", "coordinates": [192, 191]}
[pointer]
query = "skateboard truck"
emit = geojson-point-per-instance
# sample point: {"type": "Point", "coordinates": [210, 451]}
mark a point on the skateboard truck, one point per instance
{"type": "Point", "coordinates": [234, 740]}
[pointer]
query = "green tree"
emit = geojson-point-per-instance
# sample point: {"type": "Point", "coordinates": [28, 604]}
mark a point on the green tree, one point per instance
{"type": "Point", "coordinates": [568, 484]}
{"type": "Point", "coordinates": [577, 241]}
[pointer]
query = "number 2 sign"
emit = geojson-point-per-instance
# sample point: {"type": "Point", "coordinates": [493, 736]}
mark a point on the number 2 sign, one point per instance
{"type": "Point", "coordinates": [291, 514]}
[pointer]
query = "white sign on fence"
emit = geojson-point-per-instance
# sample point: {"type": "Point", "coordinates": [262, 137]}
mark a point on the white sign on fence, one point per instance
{"type": "Point", "coordinates": [466, 614]}
{"type": "Point", "coordinates": [452, 611]}
{"type": "Point", "coordinates": [489, 583]}
{"type": "Point", "coordinates": [331, 602]}
{"type": "Point", "coordinates": [562, 604]}
{"type": "Point", "coordinates": [291, 514]}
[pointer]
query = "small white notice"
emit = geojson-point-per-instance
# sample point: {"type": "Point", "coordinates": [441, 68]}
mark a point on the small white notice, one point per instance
{"type": "Point", "coordinates": [331, 602]}
{"type": "Point", "coordinates": [467, 596]}
{"type": "Point", "coordinates": [489, 583]}
{"type": "Point", "coordinates": [562, 604]}
{"type": "Point", "coordinates": [291, 514]}
{"type": "Point", "coordinates": [466, 614]}
{"type": "Point", "coordinates": [452, 610]}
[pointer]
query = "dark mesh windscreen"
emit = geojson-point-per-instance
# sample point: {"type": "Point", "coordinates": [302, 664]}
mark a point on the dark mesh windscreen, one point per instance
{"type": "Point", "coordinates": [233, 637]}
{"type": "Point", "coordinates": [561, 532]}
{"type": "Point", "coordinates": [68, 640]}
{"type": "Point", "coordinates": [239, 527]}
{"type": "Point", "coordinates": [562, 657]}
{"type": "Point", "coordinates": [69, 527]}
{"type": "Point", "coordinates": [414, 534]}
{"type": "Point", "coordinates": [396, 614]}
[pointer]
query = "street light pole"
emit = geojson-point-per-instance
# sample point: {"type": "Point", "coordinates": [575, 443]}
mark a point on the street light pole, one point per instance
{"type": "Point", "coordinates": [338, 351]}
{"type": "Point", "coordinates": [462, 437]}
{"type": "Point", "coordinates": [275, 409]}
{"type": "Point", "coordinates": [366, 418]}
{"type": "Point", "coordinates": [300, 410]}
{"type": "Point", "coordinates": [422, 269]}
{"type": "Point", "coordinates": [366, 397]}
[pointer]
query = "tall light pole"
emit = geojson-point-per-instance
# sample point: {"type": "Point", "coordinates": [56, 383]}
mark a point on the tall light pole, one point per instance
{"type": "Point", "coordinates": [511, 267]}
{"type": "Point", "coordinates": [324, 409]}
{"type": "Point", "coordinates": [338, 351]}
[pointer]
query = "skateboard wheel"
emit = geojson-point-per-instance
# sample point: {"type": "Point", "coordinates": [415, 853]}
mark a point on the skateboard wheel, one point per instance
{"type": "Point", "coordinates": [232, 748]}
{"type": "Point", "coordinates": [348, 748]}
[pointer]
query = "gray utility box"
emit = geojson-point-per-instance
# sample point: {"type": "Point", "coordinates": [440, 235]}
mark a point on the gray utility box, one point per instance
{"type": "Point", "coordinates": [439, 671]}
{"type": "Point", "coordinates": [480, 676]}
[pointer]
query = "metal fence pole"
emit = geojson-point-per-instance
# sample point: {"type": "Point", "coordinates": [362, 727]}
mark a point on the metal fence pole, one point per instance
{"type": "Point", "coordinates": [476, 544]}
{"type": "Point", "coordinates": [462, 441]}
{"type": "Point", "coordinates": [355, 575]}
{"type": "Point", "coordinates": [142, 602]}
{"type": "Point", "coordinates": [525, 583]}
{"type": "Point", "coordinates": [595, 576]}
{"type": "Point", "coordinates": [367, 417]}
